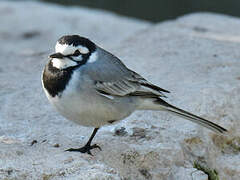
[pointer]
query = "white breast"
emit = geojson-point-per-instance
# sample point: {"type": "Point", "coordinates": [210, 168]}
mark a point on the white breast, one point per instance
{"type": "Point", "coordinates": [81, 103]}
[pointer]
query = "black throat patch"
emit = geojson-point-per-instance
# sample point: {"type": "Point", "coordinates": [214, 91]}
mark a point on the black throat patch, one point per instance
{"type": "Point", "coordinates": [55, 80]}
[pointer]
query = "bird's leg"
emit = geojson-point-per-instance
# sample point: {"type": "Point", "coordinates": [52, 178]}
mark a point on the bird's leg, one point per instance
{"type": "Point", "coordinates": [88, 146]}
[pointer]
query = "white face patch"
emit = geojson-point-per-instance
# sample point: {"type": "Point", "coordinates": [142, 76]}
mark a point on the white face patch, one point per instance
{"type": "Point", "coordinates": [62, 63]}
{"type": "Point", "coordinates": [93, 57]}
{"type": "Point", "coordinates": [66, 49]}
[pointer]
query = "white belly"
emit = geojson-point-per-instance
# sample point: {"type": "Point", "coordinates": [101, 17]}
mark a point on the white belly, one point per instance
{"type": "Point", "coordinates": [91, 109]}
{"type": "Point", "coordinates": [81, 103]}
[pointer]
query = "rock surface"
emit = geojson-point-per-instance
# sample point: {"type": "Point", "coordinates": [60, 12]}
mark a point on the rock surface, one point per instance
{"type": "Point", "coordinates": [196, 57]}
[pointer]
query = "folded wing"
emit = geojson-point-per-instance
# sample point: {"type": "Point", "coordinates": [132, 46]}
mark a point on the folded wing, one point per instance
{"type": "Point", "coordinates": [133, 85]}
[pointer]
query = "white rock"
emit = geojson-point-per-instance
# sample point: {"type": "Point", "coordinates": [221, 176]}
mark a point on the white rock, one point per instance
{"type": "Point", "coordinates": [181, 173]}
{"type": "Point", "coordinates": [199, 175]}
{"type": "Point", "coordinates": [196, 57]}
{"type": "Point", "coordinates": [47, 22]}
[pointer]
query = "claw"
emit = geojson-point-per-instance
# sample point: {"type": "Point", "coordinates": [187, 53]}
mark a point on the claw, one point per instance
{"type": "Point", "coordinates": [96, 146]}
{"type": "Point", "coordinates": [89, 152]}
{"type": "Point", "coordinates": [85, 149]}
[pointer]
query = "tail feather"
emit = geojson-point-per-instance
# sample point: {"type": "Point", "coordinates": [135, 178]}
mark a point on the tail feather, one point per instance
{"type": "Point", "coordinates": [196, 119]}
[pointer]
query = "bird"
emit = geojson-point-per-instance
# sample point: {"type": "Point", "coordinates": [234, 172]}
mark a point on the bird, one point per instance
{"type": "Point", "coordinates": [92, 87]}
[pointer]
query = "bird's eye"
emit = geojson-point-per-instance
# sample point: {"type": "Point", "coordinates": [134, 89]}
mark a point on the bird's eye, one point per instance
{"type": "Point", "coordinates": [76, 53]}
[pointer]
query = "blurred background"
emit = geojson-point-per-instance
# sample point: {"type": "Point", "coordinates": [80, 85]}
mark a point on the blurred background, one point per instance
{"type": "Point", "coordinates": [157, 10]}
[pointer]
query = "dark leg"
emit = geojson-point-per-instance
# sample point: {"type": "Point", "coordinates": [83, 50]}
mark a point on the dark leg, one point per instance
{"type": "Point", "coordinates": [88, 146]}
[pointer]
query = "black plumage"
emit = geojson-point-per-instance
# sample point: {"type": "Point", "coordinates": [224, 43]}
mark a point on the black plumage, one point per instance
{"type": "Point", "coordinates": [76, 40]}
{"type": "Point", "coordinates": [55, 80]}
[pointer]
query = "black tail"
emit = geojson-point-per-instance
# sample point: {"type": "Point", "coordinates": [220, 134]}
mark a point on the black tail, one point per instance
{"type": "Point", "coordinates": [191, 117]}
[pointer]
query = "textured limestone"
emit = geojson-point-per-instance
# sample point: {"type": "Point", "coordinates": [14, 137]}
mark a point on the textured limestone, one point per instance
{"type": "Point", "coordinates": [196, 57]}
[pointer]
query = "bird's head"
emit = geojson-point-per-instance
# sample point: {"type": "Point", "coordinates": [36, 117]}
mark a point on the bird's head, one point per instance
{"type": "Point", "coordinates": [73, 50]}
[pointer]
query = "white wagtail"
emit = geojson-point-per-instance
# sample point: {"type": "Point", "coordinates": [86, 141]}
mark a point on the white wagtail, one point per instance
{"type": "Point", "coordinates": [92, 87]}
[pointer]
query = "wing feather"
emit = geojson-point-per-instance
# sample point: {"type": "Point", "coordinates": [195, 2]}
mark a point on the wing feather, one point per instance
{"type": "Point", "coordinates": [119, 80]}
{"type": "Point", "coordinates": [129, 88]}
{"type": "Point", "coordinates": [117, 88]}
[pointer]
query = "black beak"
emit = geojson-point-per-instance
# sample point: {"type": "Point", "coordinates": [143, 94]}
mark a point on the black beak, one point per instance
{"type": "Point", "coordinates": [56, 55]}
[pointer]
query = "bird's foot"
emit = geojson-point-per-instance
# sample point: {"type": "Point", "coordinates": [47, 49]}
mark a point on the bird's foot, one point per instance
{"type": "Point", "coordinates": [85, 149]}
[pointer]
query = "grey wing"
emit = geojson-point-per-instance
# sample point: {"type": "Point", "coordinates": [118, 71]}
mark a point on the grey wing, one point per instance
{"type": "Point", "coordinates": [112, 77]}
{"type": "Point", "coordinates": [132, 84]}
